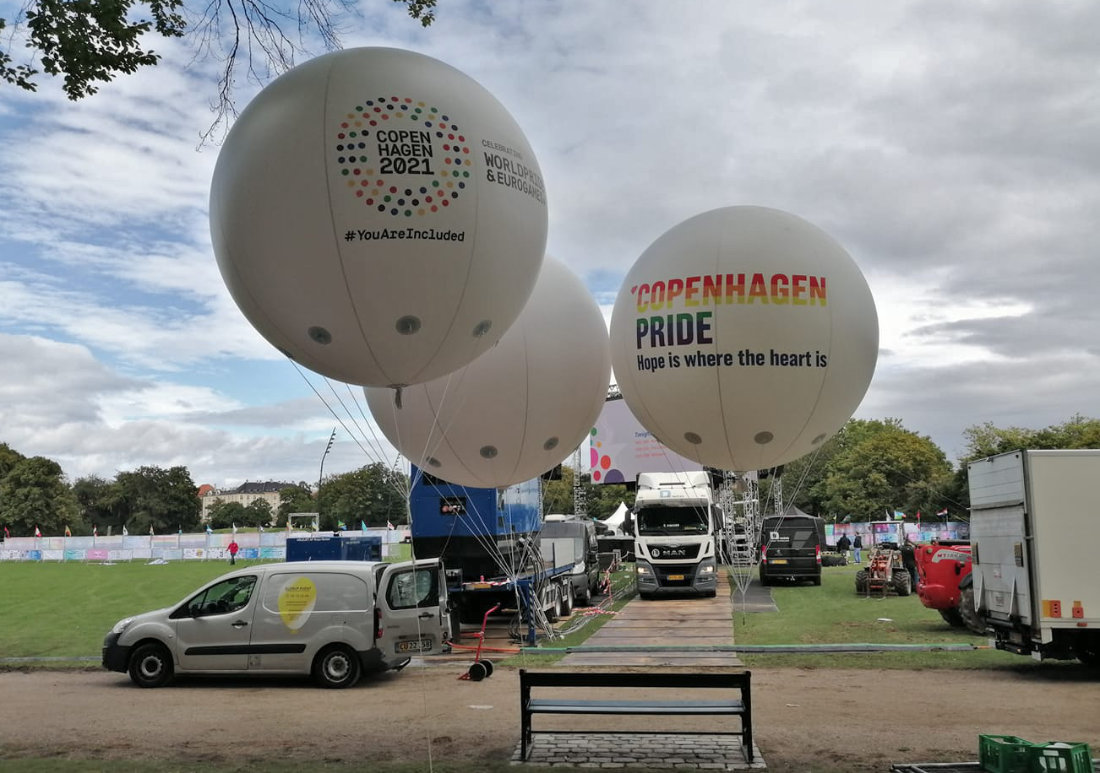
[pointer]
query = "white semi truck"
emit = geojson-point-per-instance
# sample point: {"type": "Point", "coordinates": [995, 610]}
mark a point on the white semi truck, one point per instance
{"type": "Point", "coordinates": [1035, 532]}
{"type": "Point", "coordinates": [674, 522]}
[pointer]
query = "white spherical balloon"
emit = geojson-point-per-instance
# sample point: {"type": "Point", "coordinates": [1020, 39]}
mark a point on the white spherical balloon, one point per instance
{"type": "Point", "coordinates": [744, 337]}
{"type": "Point", "coordinates": [520, 408]}
{"type": "Point", "coordinates": [378, 216]}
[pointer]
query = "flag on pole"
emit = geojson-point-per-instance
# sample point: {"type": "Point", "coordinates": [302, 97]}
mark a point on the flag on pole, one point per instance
{"type": "Point", "coordinates": [208, 529]}
{"type": "Point", "coordinates": [68, 533]}
{"type": "Point", "coordinates": [918, 516]}
{"type": "Point", "coordinates": [7, 534]}
{"type": "Point", "coordinates": [942, 512]}
{"type": "Point", "coordinates": [898, 515]}
{"type": "Point", "coordinates": [288, 524]}
{"type": "Point", "coordinates": [179, 529]}
{"type": "Point", "coordinates": [261, 528]}
{"type": "Point", "coordinates": [234, 529]}
{"type": "Point", "coordinates": [389, 526]}
{"type": "Point", "coordinates": [95, 531]}
{"type": "Point", "coordinates": [150, 530]}
{"type": "Point", "coordinates": [125, 533]}
{"type": "Point", "coordinates": [362, 526]}
{"type": "Point", "coordinates": [37, 532]}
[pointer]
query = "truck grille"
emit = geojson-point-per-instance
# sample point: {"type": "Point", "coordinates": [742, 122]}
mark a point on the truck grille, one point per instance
{"type": "Point", "coordinates": [684, 572]}
{"type": "Point", "coordinates": [673, 552]}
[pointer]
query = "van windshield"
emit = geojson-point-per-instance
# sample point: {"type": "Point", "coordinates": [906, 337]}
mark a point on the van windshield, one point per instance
{"type": "Point", "coordinates": [791, 533]}
{"type": "Point", "coordinates": [660, 520]}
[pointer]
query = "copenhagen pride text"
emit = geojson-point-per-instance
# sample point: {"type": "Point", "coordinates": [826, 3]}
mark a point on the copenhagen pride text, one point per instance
{"type": "Point", "coordinates": [717, 289]}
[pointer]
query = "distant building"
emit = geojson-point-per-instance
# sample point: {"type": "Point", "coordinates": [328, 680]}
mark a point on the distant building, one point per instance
{"type": "Point", "coordinates": [246, 494]}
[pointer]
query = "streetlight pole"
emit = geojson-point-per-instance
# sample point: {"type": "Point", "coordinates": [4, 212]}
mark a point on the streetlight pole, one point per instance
{"type": "Point", "coordinates": [321, 474]}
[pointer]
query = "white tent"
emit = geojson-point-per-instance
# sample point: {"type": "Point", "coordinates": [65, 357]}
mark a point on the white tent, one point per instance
{"type": "Point", "coordinates": [614, 522]}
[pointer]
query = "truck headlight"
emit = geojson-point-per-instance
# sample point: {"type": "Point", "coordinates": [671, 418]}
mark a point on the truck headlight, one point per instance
{"type": "Point", "coordinates": [122, 625]}
{"type": "Point", "coordinates": [707, 568]}
{"type": "Point", "coordinates": [644, 570]}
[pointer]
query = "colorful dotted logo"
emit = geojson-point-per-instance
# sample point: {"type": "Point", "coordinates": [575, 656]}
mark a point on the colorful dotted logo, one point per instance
{"type": "Point", "coordinates": [403, 158]}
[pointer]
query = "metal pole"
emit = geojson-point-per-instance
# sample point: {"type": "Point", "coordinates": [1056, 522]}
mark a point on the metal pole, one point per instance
{"type": "Point", "coordinates": [321, 474]}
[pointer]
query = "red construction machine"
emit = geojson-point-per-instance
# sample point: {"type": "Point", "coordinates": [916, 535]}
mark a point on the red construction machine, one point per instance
{"type": "Point", "coordinates": [946, 584]}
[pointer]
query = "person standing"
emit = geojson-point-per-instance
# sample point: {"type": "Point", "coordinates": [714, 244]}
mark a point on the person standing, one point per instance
{"type": "Point", "coordinates": [857, 548]}
{"type": "Point", "coordinates": [842, 546]}
{"type": "Point", "coordinates": [233, 548]}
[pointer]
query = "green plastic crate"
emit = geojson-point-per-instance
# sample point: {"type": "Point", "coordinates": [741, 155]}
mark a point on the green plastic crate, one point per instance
{"type": "Point", "coordinates": [1005, 754]}
{"type": "Point", "coordinates": [1058, 757]}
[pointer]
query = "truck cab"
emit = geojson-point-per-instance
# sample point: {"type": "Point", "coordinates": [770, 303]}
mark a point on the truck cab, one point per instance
{"type": "Point", "coordinates": [571, 541]}
{"type": "Point", "coordinates": [673, 525]}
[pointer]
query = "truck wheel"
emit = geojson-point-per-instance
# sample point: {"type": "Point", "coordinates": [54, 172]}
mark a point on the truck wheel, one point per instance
{"type": "Point", "coordinates": [151, 665]}
{"type": "Point", "coordinates": [967, 612]}
{"type": "Point", "coordinates": [902, 583]}
{"type": "Point", "coordinates": [555, 606]}
{"type": "Point", "coordinates": [952, 617]}
{"type": "Point", "coordinates": [585, 598]}
{"type": "Point", "coordinates": [567, 600]}
{"type": "Point", "coordinates": [1087, 649]}
{"type": "Point", "coordinates": [336, 668]}
{"type": "Point", "coordinates": [861, 581]}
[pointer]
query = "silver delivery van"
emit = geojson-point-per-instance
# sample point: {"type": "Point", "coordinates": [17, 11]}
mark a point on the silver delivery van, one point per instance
{"type": "Point", "coordinates": [329, 619]}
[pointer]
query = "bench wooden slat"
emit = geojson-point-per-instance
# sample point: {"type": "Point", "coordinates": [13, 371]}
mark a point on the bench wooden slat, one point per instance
{"type": "Point", "coordinates": [565, 706]}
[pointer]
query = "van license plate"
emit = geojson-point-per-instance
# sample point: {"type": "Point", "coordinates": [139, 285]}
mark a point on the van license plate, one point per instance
{"type": "Point", "coordinates": [778, 561]}
{"type": "Point", "coordinates": [676, 577]}
{"type": "Point", "coordinates": [416, 645]}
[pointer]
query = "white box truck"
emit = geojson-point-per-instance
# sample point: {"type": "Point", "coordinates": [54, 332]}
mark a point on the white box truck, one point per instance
{"type": "Point", "coordinates": [674, 521]}
{"type": "Point", "coordinates": [331, 619]}
{"type": "Point", "coordinates": [1034, 532]}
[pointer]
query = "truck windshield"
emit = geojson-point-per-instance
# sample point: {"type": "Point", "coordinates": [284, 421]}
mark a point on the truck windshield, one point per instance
{"type": "Point", "coordinates": [671, 520]}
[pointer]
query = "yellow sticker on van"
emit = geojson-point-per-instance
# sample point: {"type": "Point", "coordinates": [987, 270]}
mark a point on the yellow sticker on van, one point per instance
{"type": "Point", "coordinates": [296, 602]}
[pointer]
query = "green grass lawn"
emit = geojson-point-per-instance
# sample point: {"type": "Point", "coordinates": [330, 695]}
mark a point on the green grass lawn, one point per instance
{"type": "Point", "coordinates": [63, 610]}
{"type": "Point", "coordinates": [835, 614]}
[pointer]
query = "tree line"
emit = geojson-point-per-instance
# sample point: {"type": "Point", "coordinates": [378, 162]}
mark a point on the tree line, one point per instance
{"type": "Point", "coordinates": [867, 471]}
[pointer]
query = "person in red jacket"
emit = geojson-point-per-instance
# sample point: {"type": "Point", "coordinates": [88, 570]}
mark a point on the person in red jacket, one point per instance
{"type": "Point", "coordinates": [233, 548]}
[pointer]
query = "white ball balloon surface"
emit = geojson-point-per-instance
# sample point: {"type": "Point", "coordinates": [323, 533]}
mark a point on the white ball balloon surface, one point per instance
{"type": "Point", "coordinates": [378, 216]}
{"type": "Point", "coordinates": [744, 337]}
{"type": "Point", "coordinates": [520, 408]}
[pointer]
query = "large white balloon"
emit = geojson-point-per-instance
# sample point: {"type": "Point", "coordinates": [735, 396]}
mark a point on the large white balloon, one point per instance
{"type": "Point", "coordinates": [378, 216]}
{"type": "Point", "coordinates": [744, 337]}
{"type": "Point", "coordinates": [520, 408]}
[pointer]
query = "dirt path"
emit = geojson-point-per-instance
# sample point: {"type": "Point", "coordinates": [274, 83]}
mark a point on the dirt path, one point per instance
{"type": "Point", "coordinates": [806, 720]}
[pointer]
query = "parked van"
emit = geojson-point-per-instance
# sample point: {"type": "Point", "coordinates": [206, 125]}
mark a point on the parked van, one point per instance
{"type": "Point", "coordinates": [790, 546]}
{"type": "Point", "coordinates": [332, 619]}
{"type": "Point", "coordinates": [572, 540]}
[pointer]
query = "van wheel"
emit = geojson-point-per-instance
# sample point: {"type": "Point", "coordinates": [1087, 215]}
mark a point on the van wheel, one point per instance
{"type": "Point", "coordinates": [816, 579]}
{"type": "Point", "coordinates": [336, 668]}
{"type": "Point", "coordinates": [151, 665]}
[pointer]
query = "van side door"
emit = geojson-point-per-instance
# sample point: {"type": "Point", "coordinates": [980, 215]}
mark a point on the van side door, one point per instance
{"type": "Point", "coordinates": [213, 627]}
{"type": "Point", "coordinates": [412, 603]}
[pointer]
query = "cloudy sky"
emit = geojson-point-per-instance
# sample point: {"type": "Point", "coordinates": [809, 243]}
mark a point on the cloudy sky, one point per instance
{"type": "Point", "coordinates": [952, 148]}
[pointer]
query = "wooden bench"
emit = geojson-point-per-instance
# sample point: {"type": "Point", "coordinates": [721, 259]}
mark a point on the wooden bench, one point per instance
{"type": "Point", "coordinates": [741, 706]}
